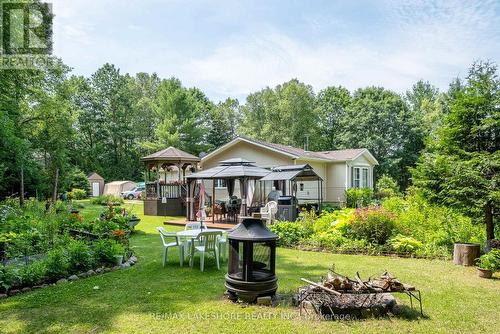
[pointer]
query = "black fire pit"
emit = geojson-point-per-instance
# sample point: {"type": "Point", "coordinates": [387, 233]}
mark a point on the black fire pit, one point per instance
{"type": "Point", "coordinates": [252, 259]}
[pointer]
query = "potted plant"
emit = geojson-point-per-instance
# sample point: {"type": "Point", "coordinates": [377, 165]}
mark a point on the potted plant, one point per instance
{"type": "Point", "coordinates": [489, 263]}
{"type": "Point", "coordinates": [119, 251]}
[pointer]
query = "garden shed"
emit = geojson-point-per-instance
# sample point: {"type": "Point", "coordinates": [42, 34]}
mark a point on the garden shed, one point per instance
{"type": "Point", "coordinates": [117, 187]}
{"type": "Point", "coordinates": [96, 184]}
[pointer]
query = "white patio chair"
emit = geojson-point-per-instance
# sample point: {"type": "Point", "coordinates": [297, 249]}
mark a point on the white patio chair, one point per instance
{"type": "Point", "coordinates": [164, 235]}
{"type": "Point", "coordinates": [192, 226]}
{"type": "Point", "coordinates": [222, 244]}
{"type": "Point", "coordinates": [187, 227]}
{"type": "Point", "coordinates": [208, 243]}
{"type": "Point", "coordinates": [269, 211]}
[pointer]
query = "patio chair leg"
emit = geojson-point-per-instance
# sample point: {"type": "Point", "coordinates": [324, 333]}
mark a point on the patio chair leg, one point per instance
{"type": "Point", "coordinates": [223, 252]}
{"type": "Point", "coordinates": [181, 255]}
{"type": "Point", "coordinates": [217, 258]}
{"type": "Point", "coordinates": [202, 261]}
{"type": "Point", "coordinates": [164, 258]}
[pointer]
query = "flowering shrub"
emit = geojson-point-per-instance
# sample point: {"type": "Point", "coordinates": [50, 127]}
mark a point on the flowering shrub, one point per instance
{"type": "Point", "coordinates": [374, 224]}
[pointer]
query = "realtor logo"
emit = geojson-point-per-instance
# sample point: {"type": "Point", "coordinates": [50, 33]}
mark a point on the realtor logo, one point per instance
{"type": "Point", "coordinates": [26, 28]}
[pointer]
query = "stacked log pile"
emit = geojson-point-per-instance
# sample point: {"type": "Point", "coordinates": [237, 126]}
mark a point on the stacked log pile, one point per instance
{"type": "Point", "coordinates": [339, 294]}
{"type": "Point", "coordinates": [337, 284]}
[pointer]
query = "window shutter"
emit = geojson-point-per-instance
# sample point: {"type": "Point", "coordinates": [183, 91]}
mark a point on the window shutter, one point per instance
{"type": "Point", "coordinates": [352, 177]}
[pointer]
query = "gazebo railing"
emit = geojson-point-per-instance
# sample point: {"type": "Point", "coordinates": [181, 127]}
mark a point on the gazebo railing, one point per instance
{"type": "Point", "coordinates": [168, 191]}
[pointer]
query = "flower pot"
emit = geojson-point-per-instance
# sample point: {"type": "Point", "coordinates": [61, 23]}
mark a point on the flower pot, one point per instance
{"type": "Point", "coordinates": [132, 223]}
{"type": "Point", "coordinates": [119, 259]}
{"type": "Point", "coordinates": [484, 273]}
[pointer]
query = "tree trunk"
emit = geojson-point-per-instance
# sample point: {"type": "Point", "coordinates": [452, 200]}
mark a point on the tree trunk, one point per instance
{"type": "Point", "coordinates": [488, 219]}
{"type": "Point", "coordinates": [21, 195]}
{"type": "Point", "coordinates": [54, 194]}
{"type": "Point", "coordinates": [466, 254]}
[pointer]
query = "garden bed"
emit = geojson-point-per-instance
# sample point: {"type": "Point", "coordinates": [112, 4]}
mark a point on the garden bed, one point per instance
{"type": "Point", "coordinates": [42, 245]}
{"type": "Point", "coordinates": [405, 227]}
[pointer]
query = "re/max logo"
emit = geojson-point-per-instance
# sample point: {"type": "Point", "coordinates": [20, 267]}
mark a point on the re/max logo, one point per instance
{"type": "Point", "coordinates": [26, 28]}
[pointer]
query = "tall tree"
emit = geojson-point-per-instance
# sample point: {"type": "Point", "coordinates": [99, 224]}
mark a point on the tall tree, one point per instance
{"type": "Point", "coordinates": [183, 115]}
{"type": "Point", "coordinates": [223, 123]}
{"type": "Point", "coordinates": [378, 119]}
{"type": "Point", "coordinates": [332, 103]}
{"type": "Point", "coordinates": [461, 168]}
{"type": "Point", "coordinates": [285, 115]}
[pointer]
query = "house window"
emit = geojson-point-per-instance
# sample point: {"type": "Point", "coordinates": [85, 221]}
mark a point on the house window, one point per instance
{"type": "Point", "coordinates": [219, 183]}
{"type": "Point", "coordinates": [360, 177]}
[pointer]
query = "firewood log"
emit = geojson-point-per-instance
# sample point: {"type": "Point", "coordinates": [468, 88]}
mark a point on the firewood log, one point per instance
{"type": "Point", "coordinates": [321, 287]}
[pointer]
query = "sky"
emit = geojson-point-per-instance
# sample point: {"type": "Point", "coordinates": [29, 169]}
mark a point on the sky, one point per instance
{"type": "Point", "coordinates": [234, 48]}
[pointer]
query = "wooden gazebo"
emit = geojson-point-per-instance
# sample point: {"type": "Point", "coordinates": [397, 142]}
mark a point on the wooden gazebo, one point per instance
{"type": "Point", "coordinates": [166, 196]}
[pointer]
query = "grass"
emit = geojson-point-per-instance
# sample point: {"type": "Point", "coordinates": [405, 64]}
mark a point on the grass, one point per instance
{"type": "Point", "coordinates": [148, 298]}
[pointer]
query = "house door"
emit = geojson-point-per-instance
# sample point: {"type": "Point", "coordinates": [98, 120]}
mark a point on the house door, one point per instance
{"type": "Point", "coordinates": [95, 189]}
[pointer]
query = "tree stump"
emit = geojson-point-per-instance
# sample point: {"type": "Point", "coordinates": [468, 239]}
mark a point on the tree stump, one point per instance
{"type": "Point", "coordinates": [466, 254]}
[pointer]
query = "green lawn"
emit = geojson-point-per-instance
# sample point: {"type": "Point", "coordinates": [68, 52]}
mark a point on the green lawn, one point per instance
{"type": "Point", "coordinates": [150, 299]}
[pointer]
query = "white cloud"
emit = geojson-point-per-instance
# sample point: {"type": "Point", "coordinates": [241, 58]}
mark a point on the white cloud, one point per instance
{"type": "Point", "coordinates": [432, 40]}
{"type": "Point", "coordinates": [436, 42]}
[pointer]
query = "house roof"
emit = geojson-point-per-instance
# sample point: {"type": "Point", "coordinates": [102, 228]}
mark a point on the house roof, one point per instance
{"type": "Point", "coordinates": [170, 154]}
{"type": "Point", "coordinates": [298, 153]}
{"type": "Point", "coordinates": [94, 176]}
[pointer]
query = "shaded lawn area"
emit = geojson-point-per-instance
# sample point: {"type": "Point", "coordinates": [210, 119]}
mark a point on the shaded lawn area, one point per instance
{"type": "Point", "coordinates": [150, 299]}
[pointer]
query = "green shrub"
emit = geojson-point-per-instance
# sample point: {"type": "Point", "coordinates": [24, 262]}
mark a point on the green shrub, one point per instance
{"type": "Point", "coordinates": [308, 219]}
{"type": "Point", "coordinates": [490, 261]}
{"type": "Point", "coordinates": [326, 221]}
{"type": "Point", "coordinates": [77, 194]}
{"type": "Point", "coordinates": [433, 224]}
{"type": "Point", "coordinates": [8, 278]}
{"type": "Point", "coordinates": [432, 250]}
{"type": "Point", "coordinates": [387, 187]}
{"type": "Point", "coordinates": [33, 273]}
{"type": "Point", "coordinates": [359, 197]}
{"type": "Point", "coordinates": [329, 239]}
{"type": "Point", "coordinates": [353, 245]}
{"type": "Point", "coordinates": [107, 200]}
{"type": "Point", "coordinates": [80, 258]}
{"type": "Point", "coordinates": [329, 208]}
{"type": "Point", "coordinates": [57, 264]}
{"type": "Point", "coordinates": [404, 244]}
{"type": "Point", "coordinates": [105, 251]}
{"type": "Point", "coordinates": [373, 224]}
{"type": "Point", "coordinates": [290, 233]}
{"type": "Point", "coordinates": [78, 179]}
{"type": "Point", "coordinates": [343, 221]}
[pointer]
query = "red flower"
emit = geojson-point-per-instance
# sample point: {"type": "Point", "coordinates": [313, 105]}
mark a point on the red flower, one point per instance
{"type": "Point", "coordinates": [119, 233]}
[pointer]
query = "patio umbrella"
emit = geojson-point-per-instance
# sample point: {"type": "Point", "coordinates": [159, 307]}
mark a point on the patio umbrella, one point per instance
{"type": "Point", "coordinates": [230, 187]}
{"type": "Point", "coordinates": [201, 211]}
{"type": "Point", "coordinates": [250, 192]}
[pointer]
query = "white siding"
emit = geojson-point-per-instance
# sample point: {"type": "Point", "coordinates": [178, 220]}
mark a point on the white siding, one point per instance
{"type": "Point", "coordinates": [336, 182]}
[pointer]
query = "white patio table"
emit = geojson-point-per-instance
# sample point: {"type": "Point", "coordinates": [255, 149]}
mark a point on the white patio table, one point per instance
{"type": "Point", "coordinates": [193, 234]}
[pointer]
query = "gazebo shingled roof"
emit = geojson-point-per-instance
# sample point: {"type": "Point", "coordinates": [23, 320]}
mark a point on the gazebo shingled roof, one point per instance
{"type": "Point", "coordinates": [171, 154]}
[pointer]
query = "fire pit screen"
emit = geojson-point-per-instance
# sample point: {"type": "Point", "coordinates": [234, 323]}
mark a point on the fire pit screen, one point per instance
{"type": "Point", "coordinates": [252, 256]}
{"type": "Point", "coordinates": [256, 265]}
